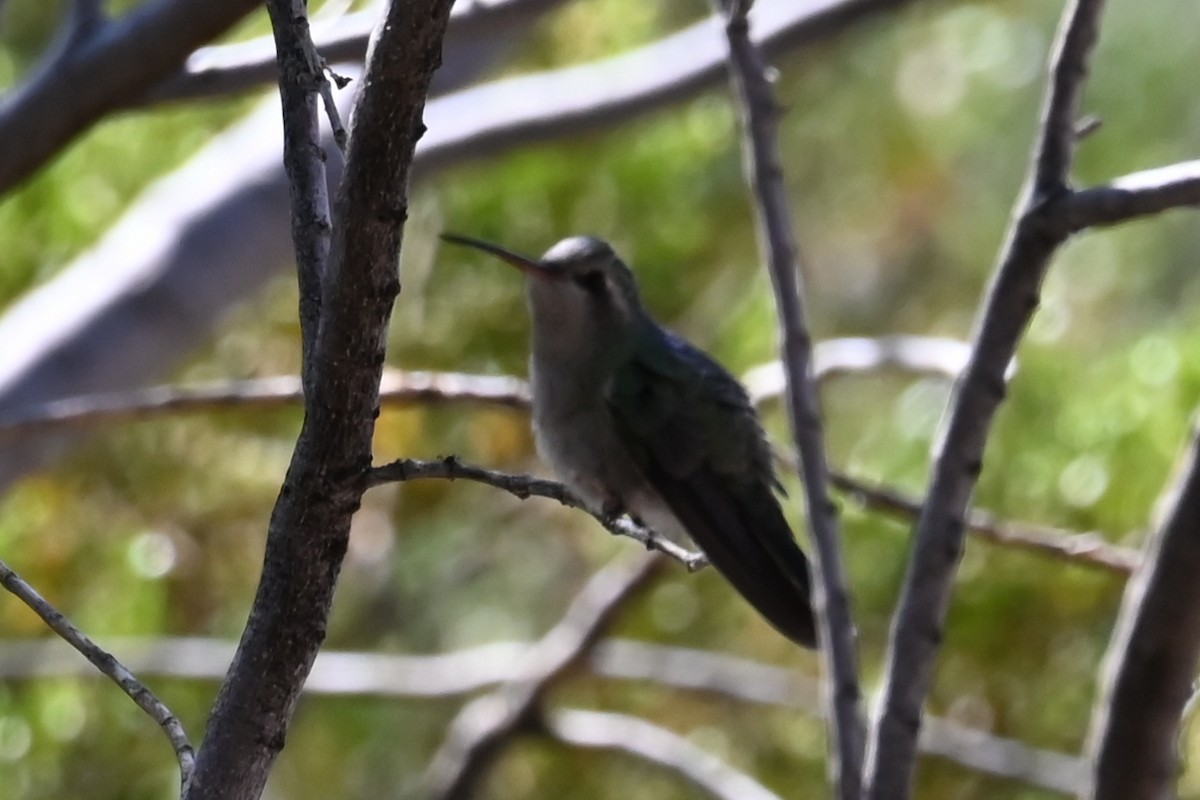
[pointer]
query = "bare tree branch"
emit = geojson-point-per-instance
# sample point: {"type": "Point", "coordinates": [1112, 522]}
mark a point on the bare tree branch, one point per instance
{"type": "Point", "coordinates": [831, 596]}
{"type": "Point", "coordinates": [917, 628]}
{"type": "Point", "coordinates": [917, 354]}
{"type": "Point", "coordinates": [622, 733]}
{"type": "Point", "coordinates": [524, 487]}
{"type": "Point", "coordinates": [487, 724]}
{"type": "Point", "coordinates": [474, 669]}
{"type": "Point", "coordinates": [1150, 670]}
{"type": "Point", "coordinates": [309, 528]}
{"type": "Point", "coordinates": [1085, 549]}
{"type": "Point", "coordinates": [1137, 195]}
{"type": "Point", "coordinates": [86, 17]}
{"type": "Point", "coordinates": [1055, 147]}
{"type": "Point", "coordinates": [301, 79]}
{"type": "Point", "coordinates": [109, 666]}
{"type": "Point", "coordinates": [856, 355]}
{"type": "Point", "coordinates": [110, 61]}
{"type": "Point", "coordinates": [397, 387]}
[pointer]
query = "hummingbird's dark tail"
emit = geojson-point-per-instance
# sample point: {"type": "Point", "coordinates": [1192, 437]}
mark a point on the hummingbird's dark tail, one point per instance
{"type": "Point", "coordinates": [743, 532]}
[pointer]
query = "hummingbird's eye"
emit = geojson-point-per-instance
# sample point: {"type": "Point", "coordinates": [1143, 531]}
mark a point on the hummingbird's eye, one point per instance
{"type": "Point", "coordinates": [592, 281]}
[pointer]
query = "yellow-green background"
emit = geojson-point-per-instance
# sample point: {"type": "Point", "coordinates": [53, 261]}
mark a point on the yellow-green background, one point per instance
{"type": "Point", "coordinates": [905, 141]}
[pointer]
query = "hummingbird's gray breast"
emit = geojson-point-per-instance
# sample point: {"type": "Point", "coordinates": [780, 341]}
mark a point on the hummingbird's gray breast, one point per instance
{"type": "Point", "coordinates": [577, 437]}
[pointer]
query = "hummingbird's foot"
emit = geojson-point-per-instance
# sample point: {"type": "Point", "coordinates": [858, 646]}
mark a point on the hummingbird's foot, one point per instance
{"type": "Point", "coordinates": [613, 509]}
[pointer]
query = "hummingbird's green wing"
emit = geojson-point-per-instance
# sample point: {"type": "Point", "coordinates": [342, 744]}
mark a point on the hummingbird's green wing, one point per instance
{"type": "Point", "coordinates": [690, 427]}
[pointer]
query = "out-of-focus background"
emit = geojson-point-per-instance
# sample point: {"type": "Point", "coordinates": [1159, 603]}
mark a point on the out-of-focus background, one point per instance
{"type": "Point", "coordinates": [905, 141]}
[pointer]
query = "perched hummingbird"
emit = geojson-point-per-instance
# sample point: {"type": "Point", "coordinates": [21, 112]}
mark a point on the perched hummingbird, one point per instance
{"type": "Point", "coordinates": [634, 419]}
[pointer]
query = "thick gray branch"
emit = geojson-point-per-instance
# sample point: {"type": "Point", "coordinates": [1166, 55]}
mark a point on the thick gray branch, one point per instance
{"type": "Point", "coordinates": [309, 527]}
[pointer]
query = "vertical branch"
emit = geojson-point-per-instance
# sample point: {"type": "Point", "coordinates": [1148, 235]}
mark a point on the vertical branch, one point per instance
{"type": "Point", "coordinates": [309, 528]}
{"type": "Point", "coordinates": [301, 79]}
{"type": "Point", "coordinates": [1037, 229]}
{"type": "Point", "coordinates": [760, 116]}
{"type": "Point", "coordinates": [1151, 663]}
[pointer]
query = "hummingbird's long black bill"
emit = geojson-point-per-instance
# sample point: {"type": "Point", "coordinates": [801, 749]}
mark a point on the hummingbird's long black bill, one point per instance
{"type": "Point", "coordinates": [527, 265]}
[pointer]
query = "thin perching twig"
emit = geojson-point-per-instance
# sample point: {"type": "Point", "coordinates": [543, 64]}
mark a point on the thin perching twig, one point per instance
{"type": "Point", "coordinates": [1034, 234]}
{"type": "Point", "coordinates": [525, 486]}
{"type": "Point", "coordinates": [106, 663]}
{"type": "Point", "coordinates": [838, 639]}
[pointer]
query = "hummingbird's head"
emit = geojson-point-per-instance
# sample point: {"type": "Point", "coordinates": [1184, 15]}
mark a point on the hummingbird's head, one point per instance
{"type": "Point", "coordinates": [580, 278]}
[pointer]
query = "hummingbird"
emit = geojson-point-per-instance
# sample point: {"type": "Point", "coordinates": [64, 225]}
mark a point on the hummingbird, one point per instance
{"type": "Point", "coordinates": [636, 420]}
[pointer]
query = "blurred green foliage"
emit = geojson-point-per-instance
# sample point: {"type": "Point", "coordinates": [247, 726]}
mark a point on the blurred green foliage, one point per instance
{"type": "Point", "coordinates": [905, 142]}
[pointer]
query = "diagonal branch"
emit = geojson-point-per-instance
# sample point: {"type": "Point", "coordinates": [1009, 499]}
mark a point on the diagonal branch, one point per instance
{"type": "Point", "coordinates": [1150, 668]}
{"type": "Point", "coordinates": [107, 664]}
{"type": "Point", "coordinates": [1030, 243]}
{"type": "Point", "coordinates": [838, 639]}
{"type": "Point", "coordinates": [483, 728]}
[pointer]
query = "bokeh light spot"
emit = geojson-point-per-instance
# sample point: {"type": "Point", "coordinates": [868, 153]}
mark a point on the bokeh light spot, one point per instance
{"type": "Point", "coordinates": [1083, 481]}
{"type": "Point", "coordinates": [152, 554]}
